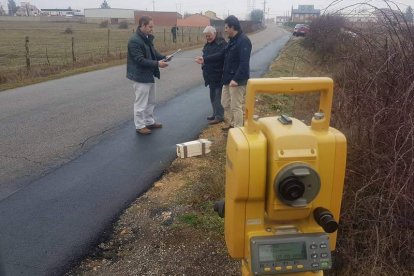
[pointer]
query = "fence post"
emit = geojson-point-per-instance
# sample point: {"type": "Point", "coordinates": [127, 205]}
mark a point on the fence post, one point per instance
{"type": "Point", "coordinates": [165, 38]}
{"type": "Point", "coordinates": [189, 34]}
{"type": "Point", "coordinates": [107, 52]}
{"type": "Point", "coordinates": [182, 34]}
{"type": "Point", "coordinates": [27, 53]}
{"type": "Point", "coordinates": [73, 50]}
{"type": "Point", "coordinates": [198, 32]}
{"type": "Point", "coordinates": [47, 58]}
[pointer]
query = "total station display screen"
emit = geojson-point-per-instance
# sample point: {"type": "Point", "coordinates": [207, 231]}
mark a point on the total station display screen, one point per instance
{"type": "Point", "coordinates": [282, 252]}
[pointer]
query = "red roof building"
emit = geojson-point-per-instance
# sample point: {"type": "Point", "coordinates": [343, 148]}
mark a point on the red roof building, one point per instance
{"type": "Point", "coordinates": [159, 18]}
{"type": "Point", "coordinates": [195, 20]}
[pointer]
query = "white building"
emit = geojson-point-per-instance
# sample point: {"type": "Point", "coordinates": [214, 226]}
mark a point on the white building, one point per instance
{"type": "Point", "coordinates": [114, 16]}
{"type": "Point", "coordinates": [360, 16]}
{"type": "Point", "coordinates": [61, 12]}
{"type": "Point", "coordinates": [282, 19]}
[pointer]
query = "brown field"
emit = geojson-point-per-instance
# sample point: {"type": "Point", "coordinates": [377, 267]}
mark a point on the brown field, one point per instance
{"type": "Point", "coordinates": [50, 45]}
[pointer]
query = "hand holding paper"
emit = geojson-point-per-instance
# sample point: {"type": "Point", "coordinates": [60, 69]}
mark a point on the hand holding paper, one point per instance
{"type": "Point", "coordinates": [169, 57]}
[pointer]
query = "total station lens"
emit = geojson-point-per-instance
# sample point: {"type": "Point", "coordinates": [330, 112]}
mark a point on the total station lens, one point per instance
{"type": "Point", "coordinates": [291, 188]}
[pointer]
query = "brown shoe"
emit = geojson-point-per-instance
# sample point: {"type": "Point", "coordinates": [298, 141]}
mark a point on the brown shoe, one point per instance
{"type": "Point", "coordinates": [154, 125]}
{"type": "Point", "coordinates": [144, 131]}
{"type": "Point", "coordinates": [214, 122]}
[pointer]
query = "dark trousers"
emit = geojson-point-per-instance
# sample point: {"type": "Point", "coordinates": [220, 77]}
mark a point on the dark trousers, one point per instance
{"type": "Point", "coordinates": [215, 98]}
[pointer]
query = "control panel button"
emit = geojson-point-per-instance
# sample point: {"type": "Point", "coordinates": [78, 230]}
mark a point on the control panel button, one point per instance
{"type": "Point", "coordinates": [267, 269]}
{"type": "Point", "coordinates": [299, 266]}
{"type": "Point", "coordinates": [323, 245]}
{"type": "Point", "coordinates": [324, 264]}
{"type": "Point", "coordinates": [315, 265]}
{"type": "Point", "coordinates": [289, 267]}
{"type": "Point", "coordinates": [324, 255]}
{"type": "Point", "coordinates": [313, 246]}
{"type": "Point", "coordinates": [278, 268]}
{"type": "Point", "coordinates": [314, 256]}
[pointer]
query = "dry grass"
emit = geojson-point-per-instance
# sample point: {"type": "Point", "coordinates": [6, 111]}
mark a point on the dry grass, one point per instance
{"type": "Point", "coordinates": [293, 61]}
{"type": "Point", "coordinates": [50, 48]}
{"type": "Point", "coordinates": [374, 107]}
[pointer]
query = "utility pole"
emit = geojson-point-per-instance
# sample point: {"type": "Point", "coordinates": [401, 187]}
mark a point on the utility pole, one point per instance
{"type": "Point", "coordinates": [153, 5]}
{"type": "Point", "coordinates": [178, 8]}
{"type": "Point", "coordinates": [264, 12]}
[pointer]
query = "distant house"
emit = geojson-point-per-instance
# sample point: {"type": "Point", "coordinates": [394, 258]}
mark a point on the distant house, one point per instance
{"type": "Point", "coordinates": [360, 16]}
{"type": "Point", "coordinates": [61, 12]}
{"type": "Point", "coordinates": [160, 18]}
{"type": "Point", "coordinates": [212, 15]}
{"type": "Point", "coordinates": [26, 9]}
{"type": "Point", "coordinates": [388, 15]}
{"type": "Point", "coordinates": [282, 19]}
{"type": "Point", "coordinates": [304, 14]}
{"type": "Point", "coordinates": [112, 15]}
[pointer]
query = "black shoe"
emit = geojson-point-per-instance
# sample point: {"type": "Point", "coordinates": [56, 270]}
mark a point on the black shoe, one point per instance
{"type": "Point", "coordinates": [210, 118]}
{"type": "Point", "coordinates": [154, 125]}
{"type": "Point", "coordinates": [215, 121]}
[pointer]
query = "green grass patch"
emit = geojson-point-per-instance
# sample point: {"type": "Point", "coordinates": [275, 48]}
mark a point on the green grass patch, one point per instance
{"type": "Point", "coordinates": [190, 219]}
{"type": "Point", "coordinates": [203, 218]}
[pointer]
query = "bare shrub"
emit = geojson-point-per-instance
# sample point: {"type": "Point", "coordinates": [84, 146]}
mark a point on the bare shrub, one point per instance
{"type": "Point", "coordinates": [325, 35]}
{"type": "Point", "coordinates": [104, 24]}
{"type": "Point", "coordinates": [374, 107]}
{"type": "Point", "coordinates": [123, 25]}
{"type": "Point", "coordinates": [68, 30]}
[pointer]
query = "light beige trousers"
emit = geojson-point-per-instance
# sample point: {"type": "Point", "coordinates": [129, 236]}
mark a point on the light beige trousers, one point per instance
{"type": "Point", "coordinates": [232, 100]}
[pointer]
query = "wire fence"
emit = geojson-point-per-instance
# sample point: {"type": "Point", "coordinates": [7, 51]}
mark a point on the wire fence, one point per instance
{"type": "Point", "coordinates": [83, 46]}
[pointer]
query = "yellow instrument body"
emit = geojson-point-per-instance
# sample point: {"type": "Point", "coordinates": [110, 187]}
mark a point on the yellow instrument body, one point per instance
{"type": "Point", "coordinates": [259, 151]}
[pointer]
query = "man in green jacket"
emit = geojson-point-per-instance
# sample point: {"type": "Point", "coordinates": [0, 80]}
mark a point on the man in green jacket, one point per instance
{"type": "Point", "coordinates": [143, 63]}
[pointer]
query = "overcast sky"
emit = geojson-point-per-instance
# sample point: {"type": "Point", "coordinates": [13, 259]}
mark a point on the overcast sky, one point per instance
{"type": "Point", "coordinates": [222, 7]}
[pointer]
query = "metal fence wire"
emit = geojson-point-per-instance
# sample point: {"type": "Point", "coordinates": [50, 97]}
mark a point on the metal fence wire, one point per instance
{"type": "Point", "coordinates": [32, 47]}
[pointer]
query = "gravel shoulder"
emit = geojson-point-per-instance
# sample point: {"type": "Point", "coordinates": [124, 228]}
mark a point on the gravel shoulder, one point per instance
{"type": "Point", "coordinates": [171, 229]}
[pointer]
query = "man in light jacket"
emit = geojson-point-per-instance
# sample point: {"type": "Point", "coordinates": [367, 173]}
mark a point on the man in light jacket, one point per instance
{"type": "Point", "coordinates": [143, 63]}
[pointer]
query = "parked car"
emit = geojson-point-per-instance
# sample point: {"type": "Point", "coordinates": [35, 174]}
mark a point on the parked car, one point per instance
{"type": "Point", "coordinates": [301, 30]}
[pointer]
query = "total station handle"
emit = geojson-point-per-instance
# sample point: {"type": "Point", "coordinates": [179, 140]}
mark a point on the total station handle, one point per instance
{"type": "Point", "coordinates": [291, 86]}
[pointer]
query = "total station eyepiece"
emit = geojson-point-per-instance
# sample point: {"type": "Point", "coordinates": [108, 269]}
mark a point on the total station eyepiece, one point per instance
{"type": "Point", "coordinates": [325, 219]}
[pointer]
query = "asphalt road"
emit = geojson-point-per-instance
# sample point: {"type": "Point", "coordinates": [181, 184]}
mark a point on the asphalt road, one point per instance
{"type": "Point", "coordinates": [70, 159]}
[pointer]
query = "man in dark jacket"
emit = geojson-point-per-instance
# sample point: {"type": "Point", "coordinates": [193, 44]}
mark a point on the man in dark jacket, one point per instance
{"type": "Point", "coordinates": [174, 30]}
{"type": "Point", "coordinates": [236, 70]}
{"type": "Point", "coordinates": [213, 73]}
{"type": "Point", "coordinates": [143, 63]}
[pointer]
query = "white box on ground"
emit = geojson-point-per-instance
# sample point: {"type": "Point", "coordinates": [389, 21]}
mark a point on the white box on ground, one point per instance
{"type": "Point", "coordinates": [193, 148]}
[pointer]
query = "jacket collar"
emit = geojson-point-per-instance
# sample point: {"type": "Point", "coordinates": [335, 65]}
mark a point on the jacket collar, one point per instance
{"type": "Point", "coordinates": [236, 36]}
{"type": "Point", "coordinates": [213, 42]}
{"type": "Point", "coordinates": [148, 38]}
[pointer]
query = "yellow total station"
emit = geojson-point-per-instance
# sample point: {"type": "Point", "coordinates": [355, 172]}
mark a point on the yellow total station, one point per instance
{"type": "Point", "coordinates": [284, 182]}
